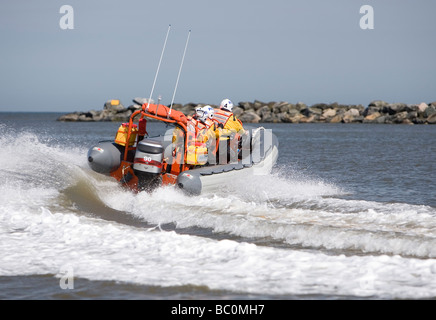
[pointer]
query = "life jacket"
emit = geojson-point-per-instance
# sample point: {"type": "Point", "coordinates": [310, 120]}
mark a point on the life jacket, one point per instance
{"type": "Point", "coordinates": [191, 130]}
{"type": "Point", "coordinates": [197, 151]}
{"type": "Point", "coordinates": [210, 122]}
{"type": "Point", "coordinates": [221, 116]}
{"type": "Point", "coordinates": [178, 142]}
{"type": "Point", "coordinates": [198, 125]}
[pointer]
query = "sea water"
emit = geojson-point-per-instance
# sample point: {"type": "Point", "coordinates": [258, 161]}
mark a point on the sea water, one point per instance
{"type": "Point", "coordinates": [348, 212]}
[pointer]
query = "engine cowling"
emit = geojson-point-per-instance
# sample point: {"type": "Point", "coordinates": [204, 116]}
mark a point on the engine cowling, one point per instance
{"type": "Point", "coordinates": [147, 164]}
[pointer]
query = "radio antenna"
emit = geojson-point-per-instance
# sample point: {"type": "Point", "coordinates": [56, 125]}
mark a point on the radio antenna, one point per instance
{"type": "Point", "coordinates": [178, 76]}
{"type": "Point", "coordinates": [158, 67]}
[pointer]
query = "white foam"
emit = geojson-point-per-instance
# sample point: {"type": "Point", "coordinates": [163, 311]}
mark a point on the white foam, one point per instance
{"type": "Point", "coordinates": [39, 236]}
{"type": "Point", "coordinates": [320, 223]}
{"type": "Point", "coordinates": [282, 186]}
{"type": "Point", "coordinates": [99, 250]}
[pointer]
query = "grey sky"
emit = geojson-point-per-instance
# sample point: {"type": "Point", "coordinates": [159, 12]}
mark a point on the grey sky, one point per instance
{"type": "Point", "coordinates": [304, 50]}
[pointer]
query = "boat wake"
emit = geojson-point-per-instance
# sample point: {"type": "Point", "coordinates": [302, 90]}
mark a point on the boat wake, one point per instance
{"type": "Point", "coordinates": [281, 234]}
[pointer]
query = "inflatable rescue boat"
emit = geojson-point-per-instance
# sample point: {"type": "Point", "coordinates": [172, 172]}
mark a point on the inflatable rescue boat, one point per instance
{"type": "Point", "coordinates": [142, 161]}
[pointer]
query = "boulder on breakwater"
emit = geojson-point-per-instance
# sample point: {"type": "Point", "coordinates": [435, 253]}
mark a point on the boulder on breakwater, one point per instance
{"type": "Point", "coordinates": [284, 112]}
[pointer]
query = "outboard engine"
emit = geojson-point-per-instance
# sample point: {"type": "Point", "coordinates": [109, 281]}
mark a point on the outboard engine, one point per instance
{"type": "Point", "coordinates": [147, 165]}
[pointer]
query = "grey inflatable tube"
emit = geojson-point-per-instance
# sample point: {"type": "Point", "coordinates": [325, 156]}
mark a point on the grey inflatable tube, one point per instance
{"type": "Point", "coordinates": [105, 157]}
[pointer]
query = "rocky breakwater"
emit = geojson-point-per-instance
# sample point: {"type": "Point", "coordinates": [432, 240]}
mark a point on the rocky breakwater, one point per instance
{"type": "Point", "coordinates": [383, 112]}
{"type": "Point", "coordinates": [376, 112]}
{"type": "Point", "coordinates": [113, 110]}
{"type": "Point", "coordinates": [284, 112]}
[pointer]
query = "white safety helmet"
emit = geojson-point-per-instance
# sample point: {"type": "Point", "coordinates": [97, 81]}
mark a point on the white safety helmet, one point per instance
{"type": "Point", "coordinates": [210, 111]}
{"type": "Point", "coordinates": [201, 114]}
{"type": "Point", "coordinates": [226, 105]}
